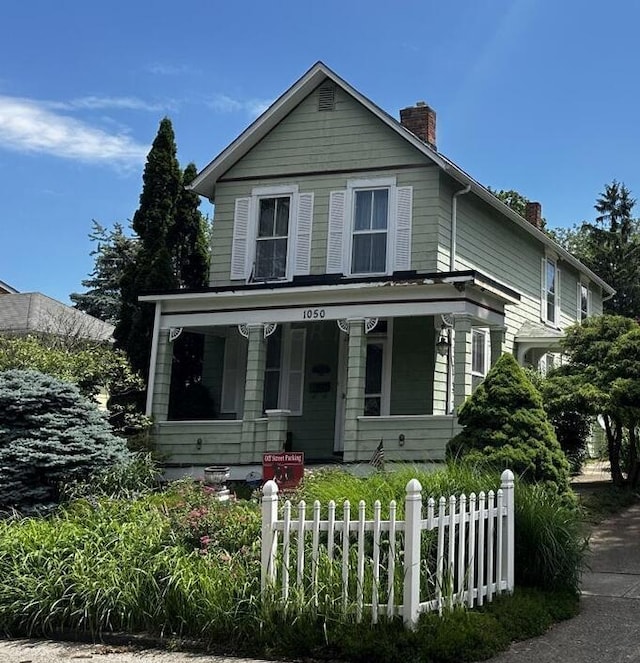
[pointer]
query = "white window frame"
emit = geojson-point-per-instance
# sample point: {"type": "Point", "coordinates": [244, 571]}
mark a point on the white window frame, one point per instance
{"type": "Point", "coordinates": [486, 351]}
{"type": "Point", "coordinates": [261, 193]}
{"type": "Point", "coordinates": [389, 183]}
{"type": "Point", "coordinates": [579, 316]}
{"type": "Point", "coordinates": [285, 369]}
{"type": "Point", "coordinates": [544, 303]}
{"type": "Point", "coordinates": [386, 340]}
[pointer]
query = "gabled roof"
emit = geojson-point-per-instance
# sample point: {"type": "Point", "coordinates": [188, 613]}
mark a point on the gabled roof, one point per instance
{"type": "Point", "coordinates": [35, 313]}
{"type": "Point", "coordinates": [204, 184]}
{"type": "Point", "coordinates": [6, 289]}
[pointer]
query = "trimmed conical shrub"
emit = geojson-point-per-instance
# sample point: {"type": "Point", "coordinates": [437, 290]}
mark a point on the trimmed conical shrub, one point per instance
{"type": "Point", "coordinates": [505, 425]}
{"type": "Point", "coordinates": [49, 434]}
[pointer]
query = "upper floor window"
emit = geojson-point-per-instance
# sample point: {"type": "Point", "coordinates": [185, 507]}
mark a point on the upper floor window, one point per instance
{"type": "Point", "coordinates": [272, 234]}
{"type": "Point", "coordinates": [370, 227]}
{"type": "Point", "coordinates": [370, 230]}
{"type": "Point", "coordinates": [272, 239]}
{"type": "Point", "coordinates": [550, 294]}
{"type": "Point", "coordinates": [584, 302]}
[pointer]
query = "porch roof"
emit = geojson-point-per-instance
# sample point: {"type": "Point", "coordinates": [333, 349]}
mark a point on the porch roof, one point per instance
{"type": "Point", "coordinates": [408, 294]}
{"type": "Point", "coordinates": [324, 282]}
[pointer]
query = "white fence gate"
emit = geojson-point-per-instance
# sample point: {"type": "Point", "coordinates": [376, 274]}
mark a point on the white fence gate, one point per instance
{"type": "Point", "coordinates": [461, 551]}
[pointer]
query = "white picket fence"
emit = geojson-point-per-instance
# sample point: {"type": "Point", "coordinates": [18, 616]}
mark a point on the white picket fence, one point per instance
{"type": "Point", "coordinates": [465, 557]}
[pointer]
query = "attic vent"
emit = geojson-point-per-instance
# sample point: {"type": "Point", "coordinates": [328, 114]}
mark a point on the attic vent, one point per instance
{"type": "Point", "coordinates": [327, 97]}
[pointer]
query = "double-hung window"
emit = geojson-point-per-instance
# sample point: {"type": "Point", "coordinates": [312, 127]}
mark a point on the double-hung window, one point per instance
{"type": "Point", "coordinates": [584, 301]}
{"type": "Point", "coordinates": [370, 230]}
{"type": "Point", "coordinates": [272, 238]}
{"type": "Point", "coordinates": [272, 230]}
{"type": "Point", "coordinates": [479, 355]}
{"type": "Point", "coordinates": [550, 293]}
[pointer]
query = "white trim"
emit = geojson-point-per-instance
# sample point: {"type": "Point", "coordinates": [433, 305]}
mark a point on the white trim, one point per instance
{"type": "Point", "coordinates": [274, 190]}
{"type": "Point", "coordinates": [153, 360]}
{"type": "Point", "coordinates": [388, 183]}
{"type": "Point", "coordinates": [544, 304]}
{"type": "Point", "coordinates": [486, 356]}
{"type": "Point", "coordinates": [268, 192]}
{"type": "Point", "coordinates": [386, 340]}
{"type": "Point", "coordinates": [372, 183]}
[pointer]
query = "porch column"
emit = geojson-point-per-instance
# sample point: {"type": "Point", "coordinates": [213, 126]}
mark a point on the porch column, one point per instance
{"type": "Point", "coordinates": [354, 399]}
{"type": "Point", "coordinates": [159, 409]}
{"type": "Point", "coordinates": [462, 361]}
{"type": "Point", "coordinates": [496, 335]}
{"type": "Point", "coordinates": [277, 424]}
{"type": "Point", "coordinates": [253, 389]}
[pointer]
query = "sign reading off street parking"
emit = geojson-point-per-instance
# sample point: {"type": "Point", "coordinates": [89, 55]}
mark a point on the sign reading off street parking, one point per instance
{"type": "Point", "coordinates": [286, 468]}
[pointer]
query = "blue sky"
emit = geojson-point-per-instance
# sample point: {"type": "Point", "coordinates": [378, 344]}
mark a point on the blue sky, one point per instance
{"type": "Point", "coordinates": [534, 95]}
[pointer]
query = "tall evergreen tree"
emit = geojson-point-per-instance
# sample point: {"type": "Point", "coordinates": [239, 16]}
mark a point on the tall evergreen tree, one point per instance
{"type": "Point", "coordinates": [612, 249]}
{"type": "Point", "coordinates": [188, 237]}
{"type": "Point", "coordinates": [153, 269]}
{"type": "Point", "coordinates": [115, 252]}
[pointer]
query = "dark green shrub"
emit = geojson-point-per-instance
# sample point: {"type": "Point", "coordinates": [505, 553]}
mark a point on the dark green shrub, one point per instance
{"type": "Point", "coordinates": [505, 425]}
{"type": "Point", "coordinates": [49, 435]}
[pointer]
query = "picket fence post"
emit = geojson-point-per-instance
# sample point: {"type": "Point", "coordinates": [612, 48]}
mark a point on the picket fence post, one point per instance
{"type": "Point", "coordinates": [269, 535]}
{"type": "Point", "coordinates": [508, 538]}
{"type": "Point", "coordinates": [412, 531]}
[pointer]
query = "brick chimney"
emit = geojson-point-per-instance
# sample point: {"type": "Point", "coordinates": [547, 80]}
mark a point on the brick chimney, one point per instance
{"type": "Point", "coordinates": [533, 214]}
{"type": "Point", "coordinates": [421, 121]}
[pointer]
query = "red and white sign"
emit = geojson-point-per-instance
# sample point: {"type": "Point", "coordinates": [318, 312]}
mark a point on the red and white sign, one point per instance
{"type": "Point", "coordinates": [286, 468]}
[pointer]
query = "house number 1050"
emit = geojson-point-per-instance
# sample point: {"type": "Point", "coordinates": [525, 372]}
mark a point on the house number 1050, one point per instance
{"type": "Point", "coordinates": [313, 314]}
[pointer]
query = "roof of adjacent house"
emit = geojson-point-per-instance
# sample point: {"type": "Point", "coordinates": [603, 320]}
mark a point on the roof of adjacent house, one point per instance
{"type": "Point", "coordinates": [35, 313]}
{"type": "Point", "coordinates": [6, 289]}
{"type": "Point", "coordinates": [204, 184]}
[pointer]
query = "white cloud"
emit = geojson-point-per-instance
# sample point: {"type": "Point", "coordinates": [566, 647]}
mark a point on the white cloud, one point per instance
{"type": "Point", "coordinates": [162, 69]}
{"type": "Point", "coordinates": [225, 104]}
{"type": "Point", "coordinates": [30, 126]}
{"type": "Point", "coordinates": [119, 103]}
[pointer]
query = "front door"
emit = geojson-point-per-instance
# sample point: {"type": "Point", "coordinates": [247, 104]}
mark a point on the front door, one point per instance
{"type": "Point", "coordinates": [341, 392]}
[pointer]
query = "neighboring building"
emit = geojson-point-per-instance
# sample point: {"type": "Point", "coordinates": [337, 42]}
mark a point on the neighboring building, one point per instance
{"type": "Point", "coordinates": [361, 286]}
{"type": "Point", "coordinates": [6, 289]}
{"type": "Point", "coordinates": [33, 313]}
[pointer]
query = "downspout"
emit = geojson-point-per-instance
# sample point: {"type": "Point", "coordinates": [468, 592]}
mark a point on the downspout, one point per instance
{"type": "Point", "coordinates": [454, 226]}
{"type": "Point", "coordinates": [452, 268]}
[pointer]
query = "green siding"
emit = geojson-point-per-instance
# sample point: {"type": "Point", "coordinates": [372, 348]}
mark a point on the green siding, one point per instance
{"type": "Point", "coordinates": [424, 228]}
{"type": "Point", "coordinates": [412, 366]}
{"type": "Point", "coordinates": [306, 140]}
{"type": "Point", "coordinates": [313, 431]}
{"type": "Point", "coordinates": [212, 367]}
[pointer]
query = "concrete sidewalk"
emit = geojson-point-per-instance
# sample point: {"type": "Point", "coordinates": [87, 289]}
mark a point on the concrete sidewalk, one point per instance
{"type": "Point", "coordinates": [608, 627]}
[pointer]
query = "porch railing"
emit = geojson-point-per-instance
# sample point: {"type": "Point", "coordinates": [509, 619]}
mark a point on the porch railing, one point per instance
{"type": "Point", "coordinates": [458, 550]}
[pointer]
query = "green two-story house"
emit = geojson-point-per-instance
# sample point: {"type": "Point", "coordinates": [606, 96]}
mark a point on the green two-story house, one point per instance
{"type": "Point", "coordinates": [361, 285]}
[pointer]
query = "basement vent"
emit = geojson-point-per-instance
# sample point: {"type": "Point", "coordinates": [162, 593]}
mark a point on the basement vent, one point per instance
{"type": "Point", "coordinates": [327, 97]}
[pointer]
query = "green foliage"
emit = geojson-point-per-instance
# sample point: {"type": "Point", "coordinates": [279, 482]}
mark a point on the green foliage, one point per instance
{"type": "Point", "coordinates": [130, 479]}
{"type": "Point", "coordinates": [602, 377]}
{"type": "Point", "coordinates": [568, 414]}
{"type": "Point", "coordinates": [49, 434]}
{"type": "Point", "coordinates": [505, 425]}
{"type": "Point", "coordinates": [153, 268]}
{"type": "Point", "coordinates": [188, 236]}
{"type": "Point", "coordinates": [93, 367]}
{"type": "Point", "coordinates": [99, 566]}
{"type": "Point", "coordinates": [549, 538]}
{"type": "Point", "coordinates": [115, 252]}
{"type": "Point", "coordinates": [610, 247]}
{"type": "Point", "coordinates": [550, 542]}
{"type": "Point", "coordinates": [516, 201]}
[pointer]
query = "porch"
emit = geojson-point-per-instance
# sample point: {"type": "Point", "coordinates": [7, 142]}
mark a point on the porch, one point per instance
{"type": "Point", "coordinates": [312, 381]}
